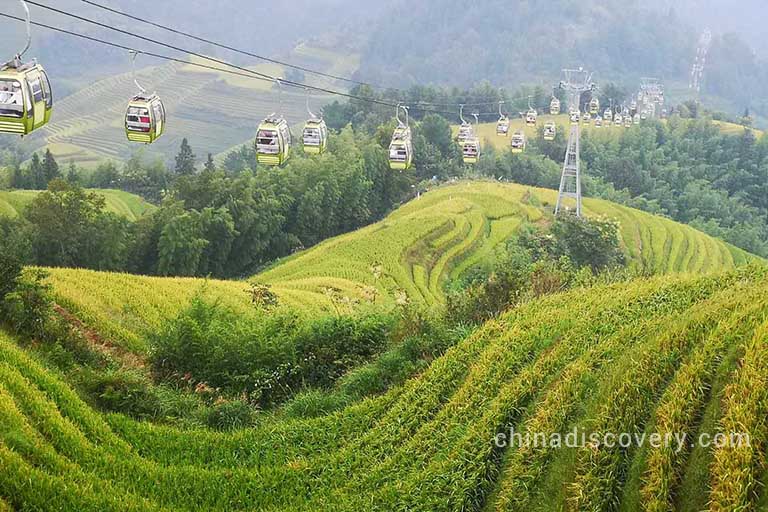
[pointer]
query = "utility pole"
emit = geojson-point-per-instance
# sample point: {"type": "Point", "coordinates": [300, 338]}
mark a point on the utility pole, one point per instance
{"type": "Point", "coordinates": [575, 83]}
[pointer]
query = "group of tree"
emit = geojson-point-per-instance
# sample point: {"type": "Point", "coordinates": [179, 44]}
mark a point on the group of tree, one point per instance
{"type": "Point", "coordinates": [230, 219]}
{"type": "Point", "coordinates": [212, 221]}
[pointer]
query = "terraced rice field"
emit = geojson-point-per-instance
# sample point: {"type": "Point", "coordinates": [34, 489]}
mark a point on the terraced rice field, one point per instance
{"type": "Point", "coordinates": [412, 253]}
{"type": "Point", "coordinates": [685, 354]}
{"type": "Point", "coordinates": [122, 203]}
{"type": "Point", "coordinates": [213, 110]}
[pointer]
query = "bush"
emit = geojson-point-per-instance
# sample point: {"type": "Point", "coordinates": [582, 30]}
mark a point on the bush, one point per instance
{"type": "Point", "coordinates": [230, 415]}
{"type": "Point", "coordinates": [330, 346]}
{"type": "Point", "coordinates": [28, 307]}
{"type": "Point", "coordinates": [589, 242]}
{"type": "Point", "coordinates": [267, 357]}
{"type": "Point", "coordinates": [10, 270]}
{"type": "Point", "coordinates": [124, 390]}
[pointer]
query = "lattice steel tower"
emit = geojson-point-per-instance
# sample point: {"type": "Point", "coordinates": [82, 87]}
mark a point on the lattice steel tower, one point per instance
{"type": "Point", "coordinates": [575, 83]}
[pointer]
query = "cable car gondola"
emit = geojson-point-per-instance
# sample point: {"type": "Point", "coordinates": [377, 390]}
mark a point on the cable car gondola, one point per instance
{"type": "Point", "coordinates": [401, 146]}
{"type": "Point", "coordinates": [618, 119]}
{"type": "Point", "coordinates": [273, 137]}
{"type": "Point", "coordinates": [502, 126]}
{"type": "Point", "coordinates": [470, 150]}
{"type": "Point", "coordinates": [518, 142]}
{"type": "Point", "coordinates": [636, 119]}
{"type": "Point", "coordinates": [144, 118]}
{"type": "Point", "coordinates": [598, 122]}
{"type": "Point", "coordinates": [554, 106]}
{"type": "Point", "coordinates": [586, 119]}
{"type": "Point", "coordinates": [608, 115]}
{"type": "Point", "coordinates": [145, 114]}
{"type": "Point", "coordinates": [575, 116]}
{"type": "Point", "coordinates": [273, 141]}
{"type": "Point", "coordinates": [627, 121]}
{"type": "Point", "coordinates": [550, 130]}
{"type": "Point", "coordinates": [531, 116]}
{"type": "Point", "coordinates": [26, 100]}
{"type": "Point", "coordinates": [314, 137]}
{"type": "Point", "coordinates": [466, 131]}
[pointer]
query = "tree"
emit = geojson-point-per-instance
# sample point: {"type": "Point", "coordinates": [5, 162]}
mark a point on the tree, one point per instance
{"type": "Point", "coordinates": [72, 175]}
{"type": "Point", "coordinates": [185, 160]}
{"type": "Point", "coordinates": [50, 168]}
{"type": "Point", "coordinates": [36, 173]}
{"type": "Point", "coordinates": [70, 227]}
{"type": "Point", "coordinates": [181, 245]}
{"type": "Point", "coordinates": [18, 178]}
{"type": "Point", "coordinates": [210, 165]}
{"type": "Point", "coordinates": [589, 242]}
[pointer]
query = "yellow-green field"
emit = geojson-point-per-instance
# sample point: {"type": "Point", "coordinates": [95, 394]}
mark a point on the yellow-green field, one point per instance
{"type": "Point", "coordinates": [487, 131]}
{"type": "Point", "coordinates": [412, 253]}
{"type": "Point", "coordinates": [668, 355]}
{"type": "Point", "coordinates": [122, 203]}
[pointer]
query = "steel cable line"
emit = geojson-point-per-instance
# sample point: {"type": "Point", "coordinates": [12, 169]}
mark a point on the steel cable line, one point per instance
{"type": "Point", "coordinates": [244, 52]}
{"type": "Point", "coordinates": [245, 73]}
{"type": "Point", "coordinates": [272, 60]}
{"type": "Point", "coordinates": [228, 47]}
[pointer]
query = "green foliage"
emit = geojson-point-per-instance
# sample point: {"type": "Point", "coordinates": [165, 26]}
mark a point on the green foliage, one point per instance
{"type": "Point", "coordinates": [126, 391]}
{"type": "Point", "coordinates": [71, 227]}
{"type": "Point", "coordinates": [537, 263]}
{"type": "Point", "coordinates": [10, 270]}
{"type": "Point", "coordinates": [185, 160]}
{"type": "Point", "coordinates": [230, 415]}
{"type": "Point", "coordinates": [589, 242]}
{"type": "Point", "coordinates": [691, 172]}
{"type": "Point", "coordinates": [27, 305]}
{"type": "Point", "coordinates": [268, 357]}
{"type": "Point", "coordinates": [607, 359]}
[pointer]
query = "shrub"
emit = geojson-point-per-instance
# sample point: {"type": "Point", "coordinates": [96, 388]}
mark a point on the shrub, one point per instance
{"type": "Point", "coordinates": [230, 415]}
{"type": "Point", "coordinates": [589, 242]}
{"type": "Point", "coordinates": [266, 356]}
{"type": "Point", "coordinates": [28, 306]}
{"type": "Point", "coordinates": [124, 390]}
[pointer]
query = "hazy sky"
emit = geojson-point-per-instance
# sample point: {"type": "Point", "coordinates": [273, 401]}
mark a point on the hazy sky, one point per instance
{"type": "Point", "coordinates": [746, 17]}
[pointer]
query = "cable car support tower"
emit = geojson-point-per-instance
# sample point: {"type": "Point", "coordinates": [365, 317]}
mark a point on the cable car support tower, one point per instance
{"type": "Point", "coordinates": [575, 83]}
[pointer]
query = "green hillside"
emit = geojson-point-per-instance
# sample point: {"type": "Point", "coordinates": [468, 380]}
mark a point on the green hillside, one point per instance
{"type": "Point", "coordinates": [411, 253]}
{"type": "Point", "coordinates": [674, 354]}
{"type": "Point", "coordinates": [122, 203]}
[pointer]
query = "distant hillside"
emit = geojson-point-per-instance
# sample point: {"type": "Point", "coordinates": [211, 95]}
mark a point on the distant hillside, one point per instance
{"type": "Point", "coordinates": [122, 203]}
{"type": "Point", "coordinates": [447, 42]}
{"type": "Point", "coordinates": [414, 252]}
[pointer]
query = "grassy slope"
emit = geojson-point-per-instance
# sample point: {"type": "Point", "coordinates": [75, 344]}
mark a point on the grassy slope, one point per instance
{"type": "Point", "coordinates": [637, 355]}
{"type": "Point", "coordinates": [122, 203]}
{"type": "Point", "coordinates": [414, 250]}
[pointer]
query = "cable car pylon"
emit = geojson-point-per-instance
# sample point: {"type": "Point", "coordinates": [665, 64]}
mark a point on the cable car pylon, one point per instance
{"type": "Point", "coordinates": [575, 83]}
